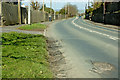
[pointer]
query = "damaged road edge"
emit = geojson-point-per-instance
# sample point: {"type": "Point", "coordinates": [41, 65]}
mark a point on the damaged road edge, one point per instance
{"type": "Point", "coordinates": [56, 58]}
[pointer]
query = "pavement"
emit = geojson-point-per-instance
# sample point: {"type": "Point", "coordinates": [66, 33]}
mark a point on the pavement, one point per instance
{"type": "Point", "coordinates": [102, 24]}
{"type": "Point", "coordinates": [91, 51]}
{"type": "Point", "coordinates": [14, 28]}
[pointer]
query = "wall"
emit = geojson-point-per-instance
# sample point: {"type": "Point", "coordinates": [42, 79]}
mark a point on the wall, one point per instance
{"type": "Point", "coordinates": [0, 8]}
{"type": "Point", "coordinates": [37, 16]}
{"type": "Point", "coordinates": [9, 13]}
{"type": "Point", "coordinates": [111, 17]}
{"type": "Point", "coordinates": [0, 13]}
{"type": "Point", "coordinates": [97, 18]}
{"type": "Point", "coordinates": [112, 7]}
{"type": "Point", "coordinates": [46, 17]}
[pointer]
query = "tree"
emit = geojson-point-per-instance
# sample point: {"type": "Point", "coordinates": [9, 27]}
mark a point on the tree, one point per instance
{"type": "Point", "coordinates": [35, 5]}
{"type": "Point", "coordinates": [62, 11]}
{"type": "Point", "coordinates": [71, 8]}
{"type": "Point", "coordinates": [57, 12]}
{"type": "Point", "coordinates": [46, 9]}
{"type": "Point", "coordinates": [96, 5]}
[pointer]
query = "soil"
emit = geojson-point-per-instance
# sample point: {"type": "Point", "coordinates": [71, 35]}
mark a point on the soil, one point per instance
{"type": "Point", "coordinates": [56, 58]}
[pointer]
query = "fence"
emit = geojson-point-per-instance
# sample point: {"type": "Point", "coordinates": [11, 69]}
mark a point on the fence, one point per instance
{"type": "Point", "coordinates": [10, 15]}
{"type": "Point", "coordinates": [0, 13]}
{"type": "Point", "coordinates": [112, 7]}
{"type": "Point", "coordinates": [110, 17]}
{"type": "Point", "coordinates": [113, 18]}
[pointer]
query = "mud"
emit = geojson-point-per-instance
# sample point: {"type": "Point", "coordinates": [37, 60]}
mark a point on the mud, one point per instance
{"type": "Point", "coordinates": [56, 58]}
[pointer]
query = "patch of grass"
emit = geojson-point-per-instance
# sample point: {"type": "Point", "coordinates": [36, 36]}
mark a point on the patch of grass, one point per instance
{"type": "Point", "coordinates": [24, 56]}
{"type": "Point", "coordinates": [37, 27]}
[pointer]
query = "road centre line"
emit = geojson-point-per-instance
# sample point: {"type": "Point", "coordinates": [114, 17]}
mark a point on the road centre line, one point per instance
{"type": "Point", "coordinates": [110, 37]}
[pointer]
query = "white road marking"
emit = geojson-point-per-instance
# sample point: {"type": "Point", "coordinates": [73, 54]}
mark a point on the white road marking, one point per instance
{"type": "Point", "coordinates": [44, 32]}
{"type": "Point", "coordinates": [110, 37]}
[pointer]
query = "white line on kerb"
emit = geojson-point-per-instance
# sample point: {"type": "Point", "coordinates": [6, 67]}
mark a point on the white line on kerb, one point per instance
{"type": "Point", "coordinates": [110, 37]}
{"type": "Point", "coordinates": [44, 32]}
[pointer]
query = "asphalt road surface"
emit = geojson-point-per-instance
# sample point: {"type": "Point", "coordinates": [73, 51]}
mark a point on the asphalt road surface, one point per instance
{"type": "Point", "coordinates": [91, 51]}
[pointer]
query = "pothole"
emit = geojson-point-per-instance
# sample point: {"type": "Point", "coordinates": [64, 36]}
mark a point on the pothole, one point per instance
{"type": "Point", "coordinates": [101, 67]}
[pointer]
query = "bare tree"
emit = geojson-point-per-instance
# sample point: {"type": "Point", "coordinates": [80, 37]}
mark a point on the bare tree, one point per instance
{"type": "Point", "coordinates": [71, 8]}
{"type": "Point", "coordinates": [35, 5]}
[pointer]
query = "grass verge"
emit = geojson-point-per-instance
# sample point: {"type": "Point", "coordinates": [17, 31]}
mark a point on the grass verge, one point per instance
{"type": "Point", "coordinates": [36, 27]}
{"type": "Point", "coordinates": [24, 56]}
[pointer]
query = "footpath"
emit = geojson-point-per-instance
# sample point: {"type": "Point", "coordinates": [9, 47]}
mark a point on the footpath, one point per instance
{"type": "Point", "coordinates": [103, 25]}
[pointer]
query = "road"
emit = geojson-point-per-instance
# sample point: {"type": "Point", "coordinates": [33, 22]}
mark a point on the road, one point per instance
{"type": "Point", "coordinates": [85, 44]}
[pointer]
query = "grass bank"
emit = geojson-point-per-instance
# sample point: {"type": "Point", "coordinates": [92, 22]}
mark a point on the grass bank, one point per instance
{"type": "Point", "coordinates": [36, 27]}
{"type": "Point", "coordinates": [24, 56]}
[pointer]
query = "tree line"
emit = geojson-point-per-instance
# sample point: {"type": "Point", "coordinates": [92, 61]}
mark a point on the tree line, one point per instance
{"type": "Point", "coordinates": [68, 9]}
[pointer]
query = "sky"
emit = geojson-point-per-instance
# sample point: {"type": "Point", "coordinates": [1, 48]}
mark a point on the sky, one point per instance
{"type": "Point", "coordinates": [58, 4]}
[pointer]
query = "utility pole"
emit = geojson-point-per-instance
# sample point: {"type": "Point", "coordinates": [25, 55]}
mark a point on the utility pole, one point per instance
{"type": "Point", "coordinates": [19, 12]}
{"type": "Point", "coordinates": [104, 11]}
{"type": "Point", "coordinates": [43, 5]}
{"type": "Point", "coordinates": [51, 7]}
{"type": "Point", "coordinates": [88, 4]}
{"type": "Point", "coordinates": [54, 11]}
{"type": "Point", "coordinates": [29, 13]}
{"type": "Point", "coordinates": [68, 10]}
{"type": "Point", "coordinates": [1, 14]}
{"type": "Point", "coordinates": [65, 11]}
{"type": "Point", "coordinates": [85, 6]}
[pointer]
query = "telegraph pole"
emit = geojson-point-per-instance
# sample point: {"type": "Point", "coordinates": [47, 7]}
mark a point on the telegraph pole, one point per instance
{"type": "Point", "coordinates": [43, 5]}
{"type": "Point", "coordinates": [19, 12]}
{"type": "Point", "coordinates": [54, 11]}
{"type": "Point", "coordinates": [104, 12]}
{"type": "Point", "coordinates": [29, 13]}
{"type": "Point", "coordinates": [68, 10]}
{"type": "Point", "coordinates": [65, 11]}
{"type": "Point", "coordinates": [88, 4]}
{"type": "Point", "coordinates": [51, 7]}
{"type": "Point", "coordinates": [85, 6]}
